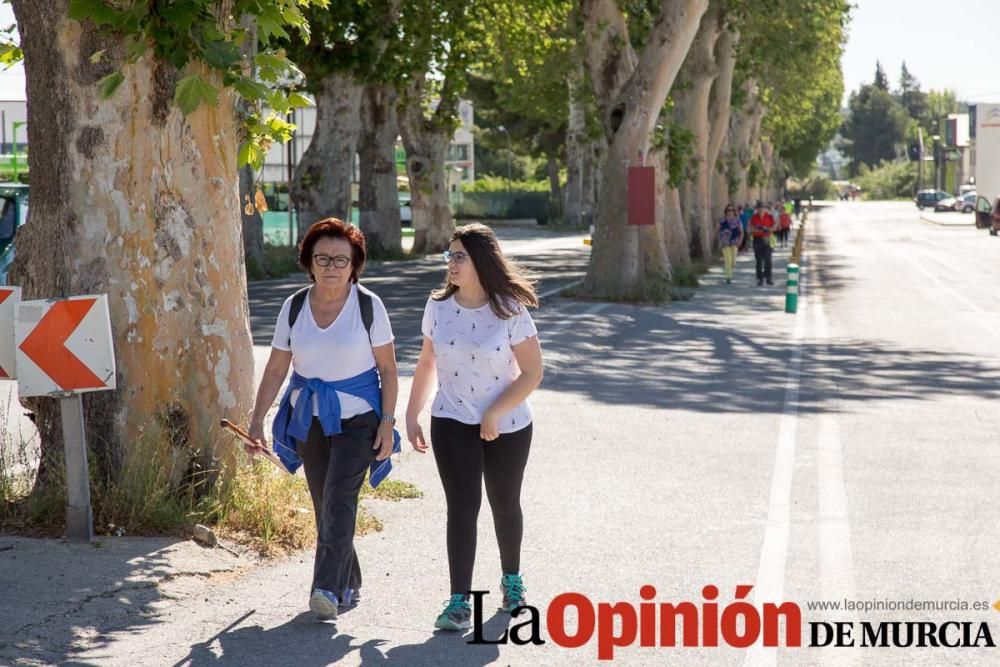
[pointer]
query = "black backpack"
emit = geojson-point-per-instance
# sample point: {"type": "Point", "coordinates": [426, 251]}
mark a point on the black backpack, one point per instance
{"type": "Point", "coordinates": [364, 303]}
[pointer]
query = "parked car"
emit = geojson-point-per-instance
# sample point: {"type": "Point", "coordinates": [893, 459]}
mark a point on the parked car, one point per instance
{"type": "Point", "coordinates": [405, 212]}
{"type": "Point", "coordinates": [966, 203]}
{"type": "Point", "coordinates": [947, 204]}
{"type": "Point", "coordinates": [930, 198]}
{"type": "Point", "coordinates": [13, 213]}
{"type": "Point", "coordinates": [984, 215]}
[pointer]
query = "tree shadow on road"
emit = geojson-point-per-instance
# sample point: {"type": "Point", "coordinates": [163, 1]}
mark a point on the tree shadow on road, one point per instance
{"type": "Point", "coordinates": [403, 287]}
{"type": "Point", "coordinates": [65, 602]}
{"type": "Point", "coordinates": [686, 360]}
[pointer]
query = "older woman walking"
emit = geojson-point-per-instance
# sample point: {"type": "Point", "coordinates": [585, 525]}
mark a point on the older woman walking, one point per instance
{"type": "Point", "coordinates": [336, 418]}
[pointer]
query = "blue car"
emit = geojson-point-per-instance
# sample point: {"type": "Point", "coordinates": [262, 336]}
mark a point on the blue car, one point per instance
{"type": "Point", "coordinates": [13, 213]}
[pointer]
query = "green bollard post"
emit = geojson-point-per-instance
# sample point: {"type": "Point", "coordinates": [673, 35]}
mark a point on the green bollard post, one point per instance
{"type": "Point", "coordinates": [792, 289]}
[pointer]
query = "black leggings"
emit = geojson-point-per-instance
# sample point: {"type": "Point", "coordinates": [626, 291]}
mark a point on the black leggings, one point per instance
{"type": "Point", "coordinates": [463, 460]}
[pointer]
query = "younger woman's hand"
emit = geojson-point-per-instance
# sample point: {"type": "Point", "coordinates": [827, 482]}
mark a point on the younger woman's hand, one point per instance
{"type": "Point", "coordinates": [415, 435]}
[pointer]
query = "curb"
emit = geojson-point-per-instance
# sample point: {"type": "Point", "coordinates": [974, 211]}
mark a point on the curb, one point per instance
{"type": "Point", "coordinates": [938, 223]}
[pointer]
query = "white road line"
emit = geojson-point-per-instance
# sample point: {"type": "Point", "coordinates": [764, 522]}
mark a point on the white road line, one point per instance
{"type": "Point", "coordinates": [770, 583]}
{"type": "Point", "coordinates": [836, 561]}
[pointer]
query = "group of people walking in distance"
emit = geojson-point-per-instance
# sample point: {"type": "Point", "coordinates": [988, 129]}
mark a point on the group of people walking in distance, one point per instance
{"type": "Point", "coordinates": [763, 227]}
{"type": "Point", "coordinates": [480, 358]}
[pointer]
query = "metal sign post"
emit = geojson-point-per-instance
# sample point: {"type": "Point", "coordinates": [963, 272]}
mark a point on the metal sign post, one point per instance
{"type": "Point", "coordinates": [79, 515]}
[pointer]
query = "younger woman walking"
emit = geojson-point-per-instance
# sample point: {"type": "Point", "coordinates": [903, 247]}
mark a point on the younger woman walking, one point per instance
{"type": "Point", "coordinates": [482, 347]}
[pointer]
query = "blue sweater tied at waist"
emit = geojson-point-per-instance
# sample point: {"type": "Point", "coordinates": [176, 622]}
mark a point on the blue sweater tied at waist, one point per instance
{"type": "Point", "coordinates": [291, 424]}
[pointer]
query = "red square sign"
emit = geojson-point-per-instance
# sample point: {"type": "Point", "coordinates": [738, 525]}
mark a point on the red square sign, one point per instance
{"type": "Point", "coordinates": [641, 195]}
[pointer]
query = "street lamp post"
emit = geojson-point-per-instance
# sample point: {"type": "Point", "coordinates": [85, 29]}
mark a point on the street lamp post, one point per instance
{"type": "Point", "coordinates": [16, 124]}
{"type": "Point", "coordinates": [937, 161]}
{"type": "Point", "coordinates": [510, 152]}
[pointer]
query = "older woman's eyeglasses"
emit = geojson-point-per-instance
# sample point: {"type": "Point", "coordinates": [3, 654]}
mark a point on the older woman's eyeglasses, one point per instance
{"type": "Point", "coordinates": [457, 257]}
{"type": "Point", "coordinates": [339, 261]}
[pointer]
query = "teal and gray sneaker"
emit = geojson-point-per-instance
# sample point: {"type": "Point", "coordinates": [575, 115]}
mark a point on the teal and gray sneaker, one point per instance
{"type": "Point", "coordinates": [323, 604]}
{"type": "Point", "coordinates": [513, 592]}
{"type": "Point", "coordinates": [457, 614]}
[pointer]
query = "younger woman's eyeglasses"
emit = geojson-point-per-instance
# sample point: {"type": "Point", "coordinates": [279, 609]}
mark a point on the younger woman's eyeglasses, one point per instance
{"type": "Point", "coordinates": [339, 261]}
{"type": "Point", "coordinates": [457, 257]}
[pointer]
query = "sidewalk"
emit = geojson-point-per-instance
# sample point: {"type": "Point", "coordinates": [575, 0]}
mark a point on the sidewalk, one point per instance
{"type": "Point", "coordinates": [633, 470]}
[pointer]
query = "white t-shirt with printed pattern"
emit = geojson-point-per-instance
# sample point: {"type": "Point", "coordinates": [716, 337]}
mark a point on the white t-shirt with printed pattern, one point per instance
{"type": "Point", "coordinates": [474, 360]}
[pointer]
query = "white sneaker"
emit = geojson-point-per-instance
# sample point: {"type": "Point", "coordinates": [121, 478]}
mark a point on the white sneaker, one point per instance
{"type": "Point", "coordinates": [323, 604]}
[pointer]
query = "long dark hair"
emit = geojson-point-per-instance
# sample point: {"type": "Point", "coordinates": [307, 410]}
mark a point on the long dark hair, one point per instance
{"type": "Point", "coordinates": [506, 284]}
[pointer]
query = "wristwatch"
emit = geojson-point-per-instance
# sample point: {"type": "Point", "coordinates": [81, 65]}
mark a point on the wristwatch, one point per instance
{"type": "Point", "coordinates": [389, 418]}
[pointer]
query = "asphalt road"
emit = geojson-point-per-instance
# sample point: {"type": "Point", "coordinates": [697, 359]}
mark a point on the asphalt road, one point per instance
{"type": "Point", "coordinates": [847, 451]}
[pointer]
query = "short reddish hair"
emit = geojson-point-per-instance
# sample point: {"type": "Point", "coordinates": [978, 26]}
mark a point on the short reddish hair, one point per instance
{"type": "Point", "coordinates": [333, 228]}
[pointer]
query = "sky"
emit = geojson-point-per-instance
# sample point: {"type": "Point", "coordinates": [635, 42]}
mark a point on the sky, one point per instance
{"type": "Point", "coordinates": [945, 44]}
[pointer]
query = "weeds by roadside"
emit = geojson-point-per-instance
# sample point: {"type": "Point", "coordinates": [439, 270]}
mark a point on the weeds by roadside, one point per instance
{"type": "Point", "coordinates": [252, 504]}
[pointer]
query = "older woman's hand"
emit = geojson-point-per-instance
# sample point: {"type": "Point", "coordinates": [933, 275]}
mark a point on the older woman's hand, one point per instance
{"type": "Point", "coordinates": [383, 441]}
{"type": "Point", "coordinates": [256, 433]}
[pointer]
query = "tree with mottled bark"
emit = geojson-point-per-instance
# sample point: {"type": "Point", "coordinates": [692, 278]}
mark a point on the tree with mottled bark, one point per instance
{"type": "Point", "coordinates": [439, 38]}
{"type": "Point", "coordinates": [691, 110]}
{"type": "Point", "coordinates": [135, 145]}
{"type": "Point", "coordinates": [338, 56]}
{"type": "Point", "coordinates": [378, 192]}
{"type": "Point", "coordinates": [630, 90]}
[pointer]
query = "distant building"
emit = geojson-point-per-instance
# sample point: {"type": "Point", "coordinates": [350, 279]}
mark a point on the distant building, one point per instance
{"type": "Point", "coordinates": [832, 162]}
{"type": "Point", "coordinates": [282, 159]}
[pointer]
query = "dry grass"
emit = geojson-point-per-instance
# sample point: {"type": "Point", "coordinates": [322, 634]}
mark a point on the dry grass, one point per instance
{"type": "Point", "coordinates": [253, 504]}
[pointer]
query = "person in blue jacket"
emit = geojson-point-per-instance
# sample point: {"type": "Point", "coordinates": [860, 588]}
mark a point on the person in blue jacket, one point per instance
{"type": "Point", "coordinates": [745, 214]}
{"type": "Point", "coordinates": [336, 417]}
{"type": "Point", "coordinates": [730, 238]}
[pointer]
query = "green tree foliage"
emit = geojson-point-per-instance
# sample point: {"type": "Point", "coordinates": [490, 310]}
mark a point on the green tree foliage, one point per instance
{"type": "Point", "coordinates": [438, 45]}
{"type": "Point", "coordinates": [518, 77]}
{"type": "Point", "coordinates": [913, 99]}
{"type": "Point", "coordinates": [881, 80]}
{"type": "Point", "coordinates": [182, 32]}
{"type": "Point", "coordinates": [940, 103]}
{"type": "Point", "coordinates": [793, 49]}
{"type": "Point", "coordinates": [888, 180]}
{"type": "Point", "coordinates": [875, 127]}
{"type": "Point", "coordinates": [343, 37]}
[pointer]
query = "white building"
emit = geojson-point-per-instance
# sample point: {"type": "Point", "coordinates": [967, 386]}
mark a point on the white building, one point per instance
{"type": "Point", "coordinates": [282, 159]}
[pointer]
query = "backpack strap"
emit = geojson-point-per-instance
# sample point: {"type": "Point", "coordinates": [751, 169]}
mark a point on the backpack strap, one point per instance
{"type": "Point", "coordinates": [367, 310]}
{"type": "Point", "coordinates": [298, 299]}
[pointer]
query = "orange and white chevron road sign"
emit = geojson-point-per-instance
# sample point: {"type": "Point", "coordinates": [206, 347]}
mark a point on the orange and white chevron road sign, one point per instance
{"type": "Point", "coordinates": [64, 346]}
{"type": "Point", "coordinates": [9, 298]}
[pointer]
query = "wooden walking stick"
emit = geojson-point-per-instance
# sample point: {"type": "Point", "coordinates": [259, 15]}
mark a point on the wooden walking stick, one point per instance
{"type": "Point", "coordinates": [254, 448]}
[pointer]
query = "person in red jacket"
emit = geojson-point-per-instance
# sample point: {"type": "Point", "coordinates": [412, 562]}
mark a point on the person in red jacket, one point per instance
{"type": "Point", "coordinates": [761, 228]}
{"type": "Point", "coordinates": [784, 225]}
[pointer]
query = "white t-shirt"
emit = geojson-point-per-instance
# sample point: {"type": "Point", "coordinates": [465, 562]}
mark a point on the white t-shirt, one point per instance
{"type": "Point", "coordinates": [474, 360]}
{"type": "Point", "coordinates": [338, 352]}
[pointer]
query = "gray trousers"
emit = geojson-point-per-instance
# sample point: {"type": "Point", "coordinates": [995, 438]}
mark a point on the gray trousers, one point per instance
{"type": "Point", "coordinates": [335, 469]}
